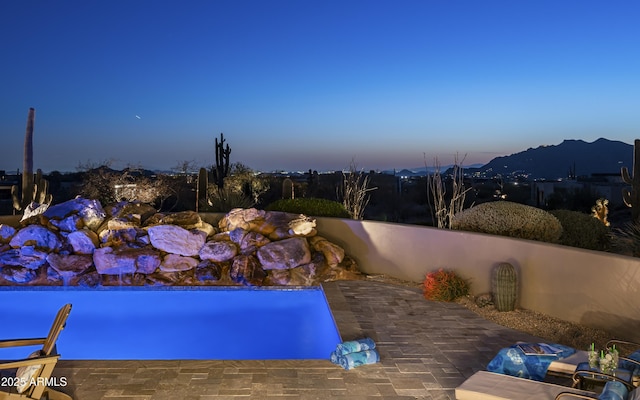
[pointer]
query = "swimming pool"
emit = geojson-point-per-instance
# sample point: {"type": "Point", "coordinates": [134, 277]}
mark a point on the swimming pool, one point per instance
{"type": "Point", "coordinates": [171, 323]}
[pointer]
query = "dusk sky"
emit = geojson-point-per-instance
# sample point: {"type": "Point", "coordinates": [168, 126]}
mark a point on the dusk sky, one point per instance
{"type": "Point", "coordinates": [305, 84]}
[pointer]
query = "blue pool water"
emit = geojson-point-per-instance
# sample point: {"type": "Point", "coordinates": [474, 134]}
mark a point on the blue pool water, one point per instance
{"type": "Point", "coordinates": [169, 323]}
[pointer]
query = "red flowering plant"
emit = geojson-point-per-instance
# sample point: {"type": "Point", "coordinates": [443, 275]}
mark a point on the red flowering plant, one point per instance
{"type": "Point", "coordinates": [444, 285]}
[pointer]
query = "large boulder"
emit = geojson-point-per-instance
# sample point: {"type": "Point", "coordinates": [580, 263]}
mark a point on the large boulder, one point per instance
{"type": "Point", "coordinates": [90, 211]}
{"type": "Point", "coordinates": [110, 261]}
{"type": "Point", "coordinates": [176, 240]}
{"type": "Point", "coordinates": [284, 254]}
{"type": "Point", "coordinates": [247, 241]}
{"type": "Point", "coordinates": [18, 274]}
{"type": "Point", "coordinates": [27, 257]}
{"type": "Point", "coordinates": [246, 270]}
{"type": "Point", "coordinates": [218, 251]}
{"type": "Point", "coordinates": [333, 254]}
{"type": "Point", "coordinates": [70, 265]}
{"type": "Point", "coordinates": [36, 236]}
{"type": "Point", "coordinates": [243, 218]}
{"type": "Point", "coordinates": [6, 233]}
{"type": "Point", "coordinates": [83, 241]}
{"type": "Point", "coordinates": [175, 263]}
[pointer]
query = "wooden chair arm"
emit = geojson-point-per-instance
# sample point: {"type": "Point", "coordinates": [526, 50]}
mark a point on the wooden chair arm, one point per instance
{"type": "Point", "coordinates": [29, 361]}
{"type": "Point", "coordinates": [21, 342]}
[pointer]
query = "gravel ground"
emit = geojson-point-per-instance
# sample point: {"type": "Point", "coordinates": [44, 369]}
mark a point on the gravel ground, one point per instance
{"type": "Point", "coordinates": [551, 329]}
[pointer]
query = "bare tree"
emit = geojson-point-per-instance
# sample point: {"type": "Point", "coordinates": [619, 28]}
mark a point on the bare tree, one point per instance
{"type": "Point", "coordinates": [444, 208]}
{"type": "Point", "coordinates": [355, 191]}
{"type": "Point", "coordinates": [186, 168]}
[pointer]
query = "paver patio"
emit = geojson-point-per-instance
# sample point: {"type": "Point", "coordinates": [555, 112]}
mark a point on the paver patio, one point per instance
{"type": "Point", "coordinates": [426, 350]}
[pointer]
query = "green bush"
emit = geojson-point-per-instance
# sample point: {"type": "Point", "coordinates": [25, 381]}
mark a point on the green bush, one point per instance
{"type": "Point", "coordinates": [506, 218]}
{"type": "Point", "coordinates": [310, 206]}
{"type": "Point", "coordinates": [582, 230]}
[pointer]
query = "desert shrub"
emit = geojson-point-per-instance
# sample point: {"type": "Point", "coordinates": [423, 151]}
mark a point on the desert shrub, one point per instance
{"type": "Point", "coordinates": [506, 218]}
{"type": "Point", "coordinates": [626, 239]}
{"type": "Point", "coordinates": [310, 206]}
{"type": "Point", "coordinates": [226, 199]}
{"type": "Point", "coordinates": [582, 230]}
{"type": "Point", "coordinates": [444, 285]}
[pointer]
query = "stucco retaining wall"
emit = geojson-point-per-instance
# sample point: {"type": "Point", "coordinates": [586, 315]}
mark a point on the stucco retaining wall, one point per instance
{"type": "Point", "coordinates": [593, 288]}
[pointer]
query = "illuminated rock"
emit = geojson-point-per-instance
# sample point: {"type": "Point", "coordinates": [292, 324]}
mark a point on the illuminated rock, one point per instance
{"type": "Point", "coordinates": [247, 271]}
{"type": "Point", "coordinates": [69, 224]}
{"type": "Point", "coordinates": [90, 211]}
{"type": "Point", "coordinates": [120, 261]}
{"type": "Point", "coordinates": [27, 257]}
{"type": "Point", "coordinates": [83, 241]}
{"type": "Point", "coordinates": [18, 274]}
{"type": "Point", "coordinates": [175, 262]}
{"type": "Point", "coordinates": [37, 236]}
{"type": "Point", "coordinates": [248, 241]}
{"type": "Point", "coordinates": [207, 271]}
{"type": "Point", "coordinates": [6, 233]}
{"type": "Point", "coordinates": [71, 265]}
{"type": "Point", "coordinates": [218, 251]}
{"type": "Point", "coordinates": [284, 254]}
{"type": "Point", "coordinates": [241, 218]}
{"type": "Point", "coordinates": [176, 240]}
{"type": "Point", "coordinates": [332, 253]}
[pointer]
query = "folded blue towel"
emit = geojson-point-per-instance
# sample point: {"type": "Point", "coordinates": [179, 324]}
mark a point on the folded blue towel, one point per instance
{"type": "Point", "coordinates": [334, 358]}
{"type": "Point", "coordinates": [359, 358]}
{"type": "Point", "coordinates": [354, 346]}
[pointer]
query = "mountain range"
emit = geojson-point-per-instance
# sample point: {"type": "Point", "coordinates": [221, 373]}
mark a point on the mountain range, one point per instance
{"type": "Point", "coordinates": [575, 157]}
{"type": "Point", "coordinates": [557, 161]}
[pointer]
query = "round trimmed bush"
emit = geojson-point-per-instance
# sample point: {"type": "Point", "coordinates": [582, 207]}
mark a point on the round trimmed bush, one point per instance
{"type": "Point", "coordinates": [506, 218]}
{"type": "Point", "coordinates": [310, 206]}
{"type": "Point", "coordinates": [582, 230]}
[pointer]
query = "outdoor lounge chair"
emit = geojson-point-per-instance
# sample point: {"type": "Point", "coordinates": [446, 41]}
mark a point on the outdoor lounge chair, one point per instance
{"type": "Point", "coordinates": [34, 373]}
{"type": "Point", "coordinates": [485, 385]}
{"type": "Point", "coordinates": [629, 359]}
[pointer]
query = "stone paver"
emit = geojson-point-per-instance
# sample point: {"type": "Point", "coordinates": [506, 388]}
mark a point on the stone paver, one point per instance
{"type": "Point", "coordinates": [426, 350]}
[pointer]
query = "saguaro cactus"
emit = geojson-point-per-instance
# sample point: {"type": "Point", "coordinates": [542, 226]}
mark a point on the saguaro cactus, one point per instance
{"type": "Point", "coordinates": [221, 169]}
{"type": "Point", "coordinates": [33, 189]}
{"type": "Point", "coordinates": [201, 189]}
{"type": "Point", "coordinates": [505, 287]}
{"type": "Point", "coordinates": [632, 197]}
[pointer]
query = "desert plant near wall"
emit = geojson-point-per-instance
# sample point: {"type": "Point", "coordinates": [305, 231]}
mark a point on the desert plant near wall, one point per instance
{"type": "Point", "coordinates": [505, 287]}
{"type": "Point", "coordinates": [506, 218]}
{"type": "Point", "coordinates": [626, 239]}
{"type": "Point", "coordinates": [226, 199]}
{"type": "Point", "coordinates": [582, 230]}
{"type": "Point", "coordinates": [443, 210]}
{"type": "Point", "coordinates": [354, 191]}
{"type": "Point", "coordinates": [632, 197]}
{"type": "Point", "coordinates": [601, 210]}
{"type": "Point", "coordinates": [444, 285]}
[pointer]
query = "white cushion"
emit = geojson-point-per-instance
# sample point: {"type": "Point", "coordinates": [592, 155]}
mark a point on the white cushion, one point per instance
{"type": "Point", "coordinates": [24, 374]}
{"type": "Point", "coordinates": [485, 385]}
